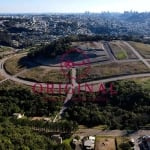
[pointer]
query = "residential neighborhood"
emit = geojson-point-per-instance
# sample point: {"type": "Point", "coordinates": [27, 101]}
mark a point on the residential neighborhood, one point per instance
{"type": "Point", "coordinates": [26, 29]}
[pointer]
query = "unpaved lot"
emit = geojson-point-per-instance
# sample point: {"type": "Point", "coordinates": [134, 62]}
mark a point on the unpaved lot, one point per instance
{"type": "Point", "coordinates": [105, 144]}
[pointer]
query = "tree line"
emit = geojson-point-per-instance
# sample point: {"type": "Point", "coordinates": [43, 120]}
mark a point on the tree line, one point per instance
{"type": "Point", "coordinates": [62, 45]}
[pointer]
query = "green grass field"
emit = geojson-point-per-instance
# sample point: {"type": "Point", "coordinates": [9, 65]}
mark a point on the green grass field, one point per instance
{"type": "Point", "coordinates": [12, 65]}
{"type": "Point", "coordinates": [121, 55]}
{"type": "Point", "coordinates": [39, 74]}
{"type": "Point", "coordinates": [119, 51]}
{"type": "Point", "coordinates": [4, 51]}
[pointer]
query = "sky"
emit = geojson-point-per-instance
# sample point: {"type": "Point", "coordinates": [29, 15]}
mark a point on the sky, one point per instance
{"type": "Point", "coordinates": [69, 6]}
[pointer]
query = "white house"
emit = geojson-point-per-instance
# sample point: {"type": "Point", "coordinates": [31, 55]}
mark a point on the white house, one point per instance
{"type": "Point", "coordinates": [89, 143]}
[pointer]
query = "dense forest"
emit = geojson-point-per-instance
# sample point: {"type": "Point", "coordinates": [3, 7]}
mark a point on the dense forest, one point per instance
{"type": "Point", "coordinates": [18, 99]}
{"type": "Point", "coordinates": [128, 109]}
{"type": "Point", "coordinates": [15, 135]}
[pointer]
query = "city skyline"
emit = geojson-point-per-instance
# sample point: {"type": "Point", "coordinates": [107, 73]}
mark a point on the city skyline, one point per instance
{"type": "Point", "coordinates": [67, 6]}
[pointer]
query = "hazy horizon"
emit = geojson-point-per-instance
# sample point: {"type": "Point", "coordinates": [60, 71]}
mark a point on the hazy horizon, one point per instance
{"type": "Point", "coordinates": [67, 6]}
{"type": "Point", "coordinates": [15, 13]}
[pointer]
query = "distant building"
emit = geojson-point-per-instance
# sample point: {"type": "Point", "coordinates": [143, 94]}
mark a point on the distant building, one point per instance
{"type": "Point", "coordinates": [92, 138]}
{"type": "Point", "coordinates": [15, 43]}
{"type": "Point", "coordinates": [89, 143]}
{"type": "Point", "coordinates": [41, 118]}
{"type": "Point", "coordinates": [147, 37]}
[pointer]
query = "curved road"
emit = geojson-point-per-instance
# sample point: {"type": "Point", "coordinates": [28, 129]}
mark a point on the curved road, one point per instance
{"type": "Point", "coordinates": [56, 86]}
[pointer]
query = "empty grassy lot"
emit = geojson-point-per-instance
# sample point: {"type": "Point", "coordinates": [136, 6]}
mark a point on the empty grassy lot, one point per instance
{"type": "Point", "coordinates": [39, 74]}
{"type": "Point", "coordinates": [12, 84]}
{"type": "Point", "coordinates": [1, 77]}
{"type": "Point", "coordinates": [91, 48]}
{"type": "Point", "coordinates": [88, 45]}
{"type": "Point", "coordinates": [119, 51]}
{"type": "Point", "coordinates": [129, 52]}
{"type": "Point", "coordinates": [4, 51]}
{"type": "Point", "coordinates": [12, 65]}
{"type": "Point", "coordinates": [143, 49]}
{"type": "Point", "coordinates": [104, 143]}
{"type": "Point", "coordinates": [109, 143]}
{"type": "Point", "coordinates": [113, 69]}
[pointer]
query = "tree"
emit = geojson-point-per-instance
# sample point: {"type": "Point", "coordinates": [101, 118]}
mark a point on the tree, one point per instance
{"type": "Point", "coordinates": [125, 146]}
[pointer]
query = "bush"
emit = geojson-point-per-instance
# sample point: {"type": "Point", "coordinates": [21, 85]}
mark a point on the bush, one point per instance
{"type": "Point", "coordinates": [125, 146]}
{"type": "Point", "coordinates": [77, 137]}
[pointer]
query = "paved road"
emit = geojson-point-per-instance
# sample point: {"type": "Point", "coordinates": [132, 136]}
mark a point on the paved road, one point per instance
{"type": "Point", "coordinates": [115, 79]}
{"type": "Point", "coordinates": [69, 94]}
{"type": "Point", "coordinates": [92, 132]}
{"type": "Point", "coordinates": [56, 86]}
{"type": "Point", "coordinates": [109, 51]}
{"type": "Point", "coordinates": [138, 55]}
{"type": "Point", "coordinates": [2, 70]}
{"type": "Point", "coordinates": [128, 60]}
{"type": "Point", "coordinates": [14, 78]}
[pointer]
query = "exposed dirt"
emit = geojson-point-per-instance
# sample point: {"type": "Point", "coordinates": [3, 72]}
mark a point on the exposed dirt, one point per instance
{"type": "Point", "coordinates": [105, 144]}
